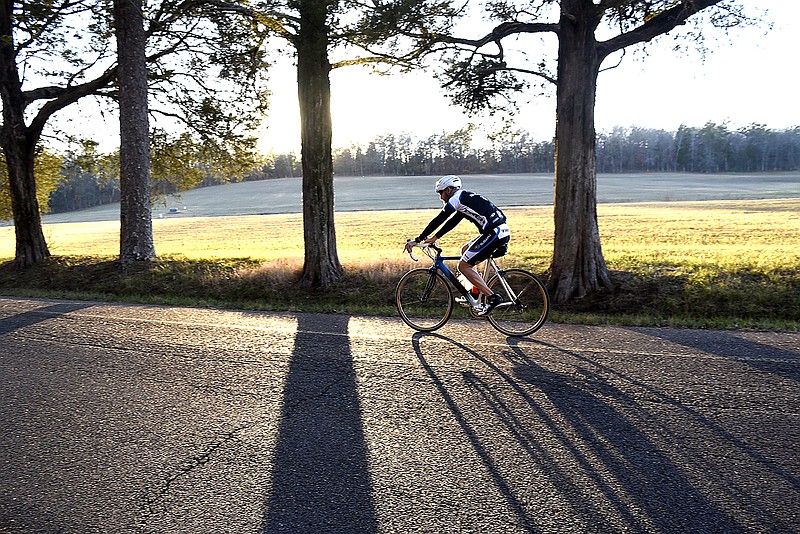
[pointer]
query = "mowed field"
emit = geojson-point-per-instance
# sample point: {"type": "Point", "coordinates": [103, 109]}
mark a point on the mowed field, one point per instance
{"type": "Point", "coordinates": [379, 193]}
{"type": "Point", "coordinates": [707, 215]}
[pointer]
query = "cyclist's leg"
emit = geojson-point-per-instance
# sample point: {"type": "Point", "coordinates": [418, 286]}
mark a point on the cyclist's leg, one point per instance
{"type": "Point", "coordinates": [480, 249]}
{"type": "Point", "coordinates": [469, 244]}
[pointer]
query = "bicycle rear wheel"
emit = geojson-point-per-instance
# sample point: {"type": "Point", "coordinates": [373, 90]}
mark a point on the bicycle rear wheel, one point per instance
{"type": "Point", "coordinates": [525, 306]}
{"type": "Point", "coordinates": [424, 299]}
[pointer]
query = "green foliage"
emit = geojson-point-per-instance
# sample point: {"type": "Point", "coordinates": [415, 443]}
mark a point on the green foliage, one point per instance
{"type": "Point", "coordinates": [380, 34]}
{"type": "Point", "coordinates": [47, 171]}
{"type": "Point", "coordinates": [62, 39]}
{"type": "Point", "coordinates": [206, 65]}
{"type": "Point", "coordinates": [482, 85]}
{"type": "Point", "coordinates": [65, 51]}
{"type": "Point", "coordinates": [178, 163]}
{"type": "Point", "coordinates": [182, 162]}
{"type": "Point", "coordinates": [388, 23]}
{"type": "Point", "coordinates": [485, 72]}
{"type": "Point", "coordinates": [175, 161]}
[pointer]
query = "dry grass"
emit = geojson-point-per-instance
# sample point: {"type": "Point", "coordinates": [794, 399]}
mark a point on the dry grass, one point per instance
{"type": "Point", "coordinates": [691, 260]}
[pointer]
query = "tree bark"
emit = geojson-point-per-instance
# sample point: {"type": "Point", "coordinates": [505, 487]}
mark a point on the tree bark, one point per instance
{"type": "Point", "coordinates": [136, 224]}
{"type": "Point", "coordinates": [578, 266]}
{"type": "Point", "coordinates": [322, 267]}
{"type": "Point", "coordinates": [19, 145]}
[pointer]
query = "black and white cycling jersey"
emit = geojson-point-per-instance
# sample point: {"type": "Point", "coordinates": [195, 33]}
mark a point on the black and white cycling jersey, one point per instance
{"type": "Point", "coordinates": [465, 205]}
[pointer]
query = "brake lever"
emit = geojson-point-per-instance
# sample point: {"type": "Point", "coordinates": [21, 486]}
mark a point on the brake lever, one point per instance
{"type": "Point", "coordinates": [411, 254]}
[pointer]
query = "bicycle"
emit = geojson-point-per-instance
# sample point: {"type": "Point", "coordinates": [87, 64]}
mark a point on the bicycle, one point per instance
{"type": "Point", "coordinates": [425, 300]}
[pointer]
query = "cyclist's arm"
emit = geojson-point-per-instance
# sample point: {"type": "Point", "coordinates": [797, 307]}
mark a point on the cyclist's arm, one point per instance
{"type": "Point", "coordinates": [449, 225]}
{"type": "Point", "coordinates": [435, 223]}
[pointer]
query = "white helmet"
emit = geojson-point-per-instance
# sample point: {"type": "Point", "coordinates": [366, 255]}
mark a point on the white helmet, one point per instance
{"type": "Point", "coordinates": [450, 180]}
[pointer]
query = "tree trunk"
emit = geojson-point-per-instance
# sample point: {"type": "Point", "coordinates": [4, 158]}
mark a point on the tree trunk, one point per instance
{"type": "Point", "coordinates": [322, 267]}
{"type": "Point", "coordinates": [136, 224]}
{"type": "Point", "coordinates": [578, 266]}
{"type": "Point", "coordinates": [19, 144]}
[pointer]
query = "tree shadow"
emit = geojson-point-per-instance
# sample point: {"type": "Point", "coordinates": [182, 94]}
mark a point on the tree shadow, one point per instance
{"type": "Point", "coordinates": [584, 437]}
{"type": "Point", "coordinates": [32, 317]}
{"type": "Point", "coordinates": [320, 477]}
{"type": "Point", "coordinates": [627, 466]}
{"type": "Point", "coordinates": [727, 344]}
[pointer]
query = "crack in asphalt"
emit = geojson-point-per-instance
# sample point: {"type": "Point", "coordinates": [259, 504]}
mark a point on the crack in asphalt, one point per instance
{"type": "Point", "coordinates": [155, 500]}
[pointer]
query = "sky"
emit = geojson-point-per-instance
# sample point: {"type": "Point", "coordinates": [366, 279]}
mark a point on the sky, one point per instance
{"type": "Point", "coordinates": [752, 77]}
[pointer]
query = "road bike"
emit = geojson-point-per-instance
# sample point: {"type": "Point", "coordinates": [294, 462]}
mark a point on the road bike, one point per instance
{"type": "Point", "coordinates": [425, 300]}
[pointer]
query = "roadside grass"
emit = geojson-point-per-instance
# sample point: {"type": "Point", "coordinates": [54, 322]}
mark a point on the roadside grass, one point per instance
{"type": "Point", "coordinates": [714, 264]}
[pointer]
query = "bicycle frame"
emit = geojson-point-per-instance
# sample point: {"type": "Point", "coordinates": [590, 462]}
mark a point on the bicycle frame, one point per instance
{"type": "Point", "coordinates": [440, 265]}
{"type": "Point", "coordinates": [421, 301]}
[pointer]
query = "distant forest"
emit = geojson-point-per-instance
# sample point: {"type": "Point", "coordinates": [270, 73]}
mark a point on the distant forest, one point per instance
{"type": "Point", "coordinates": [711, 149]}
{"type": "Point", "coordinates": [714, 148]}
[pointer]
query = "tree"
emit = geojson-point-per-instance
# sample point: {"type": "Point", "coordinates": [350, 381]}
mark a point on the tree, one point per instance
{"type": "Point", "coordinates": [19, 145]}
{"type": "Point", "coordinates": [65, 46]}
{"type": "Point", "coordinates": [136, 223]}
{"type": "Point", "coordinates": [321, 266]}
{"type": "Point", "coordinates": [578, 266]}
{"type": "Point", "coordinates": [366, 33]}
{"type": "Point", "coordinates": [47, 167]}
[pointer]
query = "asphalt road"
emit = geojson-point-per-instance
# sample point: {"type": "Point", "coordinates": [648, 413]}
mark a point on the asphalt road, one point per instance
{"type": "Point", "coordinates": [120, 418]}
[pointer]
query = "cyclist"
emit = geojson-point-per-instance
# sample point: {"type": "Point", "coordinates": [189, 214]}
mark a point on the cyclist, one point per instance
{"type": "Point", "coordinates": [489, 219]}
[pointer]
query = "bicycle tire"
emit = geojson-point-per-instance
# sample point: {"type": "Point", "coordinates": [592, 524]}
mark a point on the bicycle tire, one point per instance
{"type": "Point", "coordinates": [526, 314]}
{"type": "Point", "coordinates": [424, 299]}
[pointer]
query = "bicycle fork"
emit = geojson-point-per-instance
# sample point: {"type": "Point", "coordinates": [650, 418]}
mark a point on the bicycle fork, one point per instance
{"type": "Point", "coordinates": [426, 294]}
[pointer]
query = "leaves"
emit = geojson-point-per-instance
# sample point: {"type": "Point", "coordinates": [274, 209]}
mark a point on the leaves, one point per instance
{"type": "Point", "coordinates": [47, 171]}
{"type": "Point", "coordinates": [181, 163]}
{"type": "Point", "coordinates": [476, 85]}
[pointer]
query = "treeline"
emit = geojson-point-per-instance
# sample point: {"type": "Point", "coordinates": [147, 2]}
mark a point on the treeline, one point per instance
{"type": "Point", "coordinates": [444, 153]}
{"type": "Point", "coordinates": [714, 148]}
{"type": "Point", "coordinates": [84, 187]}
{"type": "Point", "coordinates": [710, 149]}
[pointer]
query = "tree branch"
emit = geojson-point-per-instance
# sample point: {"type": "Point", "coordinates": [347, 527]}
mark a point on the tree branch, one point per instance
{"type": "Point", "coordinates": [658, 25]}
{"type": "Point", "coordinates": [497, 34]}
{"type": "Point", "coordinates": [273, 22]}
{"type": "Point", "coordinates": [66, 96]}
{"type": "Point", "coordinates": [540, 74]}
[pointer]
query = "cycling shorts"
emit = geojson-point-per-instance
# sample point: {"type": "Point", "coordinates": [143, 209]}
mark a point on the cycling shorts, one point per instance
{"type": "Point", "coordinates": [483, 246]}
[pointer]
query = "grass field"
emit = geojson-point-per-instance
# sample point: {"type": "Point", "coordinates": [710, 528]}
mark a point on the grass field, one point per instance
{"type": "Point", "coordinates": [707, 264]}
{"type": "Point", "coordinates": [368, 193]}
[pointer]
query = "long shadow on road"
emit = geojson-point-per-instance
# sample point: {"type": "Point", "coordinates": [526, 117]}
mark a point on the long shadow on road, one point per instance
{"type": "Point", "coordinates": [29, 318]}
{"type": "Point", "coordinates": [600, 424]}
{"type": "Point", "coordinates": [768, 358]}
{"type": "Point", "coordinates": [503, 484]}
{"type": "Point", "coordinates": [583, 436]}
{"type": "Point", "coordinates": [320, 480]}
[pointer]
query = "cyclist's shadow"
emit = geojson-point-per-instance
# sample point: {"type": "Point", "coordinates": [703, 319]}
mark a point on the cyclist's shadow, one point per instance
{"type": "Point", "coordinates": [579, 414]}
{"type": "Point", "coordinates": [500, 481]}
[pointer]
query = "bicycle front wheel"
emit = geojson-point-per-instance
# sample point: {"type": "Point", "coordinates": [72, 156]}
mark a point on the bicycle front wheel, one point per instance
{"type": "Point", "coordinates": [525, 306]}
{"type": "Point", "coordinates": [424, 299]}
